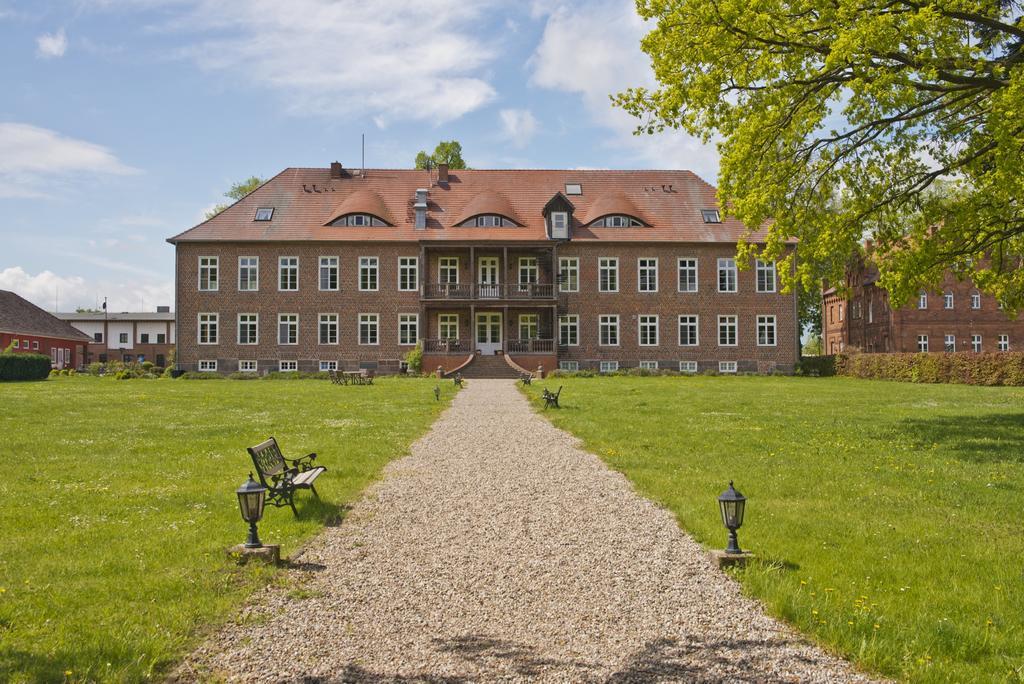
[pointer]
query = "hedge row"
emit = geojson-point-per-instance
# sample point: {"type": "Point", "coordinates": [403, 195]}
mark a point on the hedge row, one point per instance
{"type": "Point", "coordinates": [24, 366]}
{"type": "Point", "coordinates": [964, 368]}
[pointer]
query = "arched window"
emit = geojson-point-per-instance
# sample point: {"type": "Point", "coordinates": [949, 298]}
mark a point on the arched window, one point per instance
{"type": "Point", "coordinates": [358, 220]}
{"type": "Point", "coordinates": [617, 221]}
{"type": "Point", "coordinates": [489, 221]}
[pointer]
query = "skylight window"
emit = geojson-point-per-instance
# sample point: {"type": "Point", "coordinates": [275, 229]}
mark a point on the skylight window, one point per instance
{"type": "Point", "coordinates": [711, 216]}
{"type": "Point", "coordinates": [264, 213]}
{"type": "Point", "coordinates": [573, 189]}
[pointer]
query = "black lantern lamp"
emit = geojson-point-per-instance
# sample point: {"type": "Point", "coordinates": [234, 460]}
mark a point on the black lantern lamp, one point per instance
{"type": "Point", "coordinates": [732, 504]}
{"type": "Point", "coordinates": [251, 496]}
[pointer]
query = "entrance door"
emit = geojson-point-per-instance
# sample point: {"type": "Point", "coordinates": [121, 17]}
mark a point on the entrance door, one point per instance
{"type": "Point", "coordinates": [488, 332]}
{"type": "Point", "coordinates": [488, 277]}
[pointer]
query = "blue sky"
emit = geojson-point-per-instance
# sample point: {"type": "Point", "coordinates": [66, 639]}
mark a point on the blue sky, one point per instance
{"type": "Point", "coordinates": [122, 121]}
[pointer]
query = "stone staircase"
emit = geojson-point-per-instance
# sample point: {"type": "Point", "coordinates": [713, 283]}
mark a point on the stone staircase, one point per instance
{"type": "Point", "coordinates": [491, 366]}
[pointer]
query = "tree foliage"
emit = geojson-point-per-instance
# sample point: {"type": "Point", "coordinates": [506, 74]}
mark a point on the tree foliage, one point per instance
{"type": "Point", "coordinates": [874, 102]}
{"type": "Point", "coordinates": [237, 192]}
{"type": "Point", "coordinates": [447, 152]}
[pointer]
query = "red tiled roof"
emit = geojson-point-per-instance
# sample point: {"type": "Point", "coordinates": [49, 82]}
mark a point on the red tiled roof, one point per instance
{"type": "Point", "coordinates": [614, 203]}
{"type": "Point", "coordinates": [21, 317]}
{"type": "Point", "coordinates": [305, 199]}
{"type": "Point", "coordinates": [487, 202]}
{"type": "Point", "coordinates": [361, 202]}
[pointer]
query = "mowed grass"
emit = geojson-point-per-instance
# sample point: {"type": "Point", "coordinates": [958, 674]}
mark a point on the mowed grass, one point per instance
{"type": "Point", "coordinates": [888, 517]}
{"type": "Point", "coordinates": [118, 504]}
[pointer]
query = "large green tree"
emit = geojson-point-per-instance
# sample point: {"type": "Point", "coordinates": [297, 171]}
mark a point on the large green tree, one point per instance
{"type": "Point", "coordinates": [872, 102]}
{"type": "Point", "coordinates": [447, 152]}
{"type": "Point", "coordinates": [237, 192]}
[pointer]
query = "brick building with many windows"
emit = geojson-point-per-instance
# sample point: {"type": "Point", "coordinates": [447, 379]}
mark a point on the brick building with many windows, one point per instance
{"type": "Point", "coordinates": [956, 317]}
{"type": "Point", "coordinates": [331, 268]}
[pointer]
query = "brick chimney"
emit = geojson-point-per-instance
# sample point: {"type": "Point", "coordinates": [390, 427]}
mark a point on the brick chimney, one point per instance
{"type": "Point", "coordinates": [335, 170]}
{"type": "Point", "coordinates": [442, 173]}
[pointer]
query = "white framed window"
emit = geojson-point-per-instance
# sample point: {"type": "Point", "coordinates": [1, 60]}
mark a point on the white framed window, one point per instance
{"type": "Point", "coordinates": [328, 273]}
{"type": "Point", "coordinates": [328, 366]}
{"type": "Point", "coordinates": [727, 331]}
{"type": "Point", "coordinates": [264, 214]}
{"type": "Point", "coordinates": [840, 313]}
{"type": "Point", "coordinates": [248, 328]}
{"type": "Point", "coordinates": [208, 325]}
{"type": "Point", "coordinates": [288, 328]}
{"type": "Point", "coordinates": [922, 300]}
{"type": "Point", "coordinates": [448, 326]}
{"type": "Point", "coordinates": [527, 270]}
{"type": "Point", "coordinates": [369, 329]}
{"type": "Point", "coordinates": [569, 330]}
{"type": "Point", "coordinates": [647, 331]}
{"type": "Point", "coordinates": [609, 366]}
{"type": "Point", "coordinates": [408, 274]}
{"type": "Point", "coordinates": [17, 343]}
{"type": "Point", "coordinates": [765, 276]}
{"type": "Point", "coordinates": [568, 365]}
{"type": "Point", "coordinates": [687, 274]}
{"type": "Point", "coordinates": [710, 216]}
{"type": "Point", "coordinates": [207, 365]}
{"type": "Point", "coordinates": [649, 365]}
{"type": "Point", "coordinates": [871, 311]}
{"type": "Point", "coordinates": [1003, 343]}
{"type": "Point", "coordinates": [976, 343]}
{"type": "Point", "coordinates": [328, 328]}
{"type": "Point", "coordinates": [559, 225]}
{"type": "Point", "coordinates": [949, 343]}
{"type": "Point", "coordinates": [689, 330]}
{"type": "Point", "coordinates": [528, 326]}
{"type": "Point", "coordinates": [248, 273]}
{"type": "Point", "coordinates": [608, 274]}
{"type": "Point", "coordinates": [122, 338]}
{"type": "Point", "coordinates": [247, 366]}
{"type": "Point", "coordinates": [647, 275]}
{"type": "Point", "coordinates": [287, 273]}
{"type": "Point", "coordinates": [287, 366]}
{"type": "Point", "coordinates": [766, 331]}
{"type": "Point", "coordinates": [369, 273]}
{"type": "Point", "coordinates": [975, 300]}
{"type": "Point", "coordinates": [922, 343]}
{"type": "Point", "coordinates": [947, 300]}
{"type": "Point", "coordinates": [569, 274]}
{"type": "Point", "coordinates": [448, 270]}
{"type": "Point", "coordinates": [408, 328]}
{"type": "Point", "coordinates": [209, 273]}
{"type": "Point", "coordinates": [727, 367]}
{"type": "Point", "coordinates": [727, 275]}
{"type": "Point", "coordinates": [608, 330]}
{"type": "Point", "coordinates": [687, 366]}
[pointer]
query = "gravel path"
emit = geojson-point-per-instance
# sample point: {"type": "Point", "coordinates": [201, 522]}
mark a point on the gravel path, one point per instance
{"type": "Point", "coordinates": [499, 550]}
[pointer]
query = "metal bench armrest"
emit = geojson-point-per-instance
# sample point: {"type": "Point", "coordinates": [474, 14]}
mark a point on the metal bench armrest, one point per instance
{"type": "Point", "coordinates": [304, 463]}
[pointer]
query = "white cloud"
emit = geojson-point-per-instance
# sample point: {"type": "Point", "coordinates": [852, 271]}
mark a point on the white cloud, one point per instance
{"type": "Point", "coordinates": [593, 49]}
{"type": "Point", "coordinates": [392, 61]}
{"type": "Point", "coordinates": [519, 125]}
{"type": "Point", "coordinates": [52, 44]}
{"type": "Point", "coordinates": [33, 158]}
{"type": "Point", "coordinates": [47, 289]}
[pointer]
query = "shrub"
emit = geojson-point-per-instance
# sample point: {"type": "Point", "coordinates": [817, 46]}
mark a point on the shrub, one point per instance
{"type": "Point", "coordinates": [204, 375]}
{"type": "Point", "coordinates": [238, 375]}
{"type": "Point", "coordinates": [24, 366]}
{"type": "Point", "coordinates": [816, 366]}
{"type": "Point", "coordinates": [965, 368]}
{"type": "Point", "coordinates": [415, 358]}
{"type": "Point", "coordinates": [147, 366]}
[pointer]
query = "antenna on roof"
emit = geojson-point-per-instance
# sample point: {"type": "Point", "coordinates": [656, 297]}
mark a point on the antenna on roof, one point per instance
{"type": "Point", "coordinates": [362, 163]}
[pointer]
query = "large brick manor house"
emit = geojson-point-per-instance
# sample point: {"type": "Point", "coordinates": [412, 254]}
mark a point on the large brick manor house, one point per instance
{"type": "Point", "coordinates": [332, 268]}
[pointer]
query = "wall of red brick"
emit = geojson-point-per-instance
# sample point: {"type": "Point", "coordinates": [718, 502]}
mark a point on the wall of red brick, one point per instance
{"type": "Point", "coordinates": [37, 344]}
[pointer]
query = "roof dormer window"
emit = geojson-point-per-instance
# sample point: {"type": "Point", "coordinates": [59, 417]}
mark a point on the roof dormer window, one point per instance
{"type": "Point", "coordinates": [264, 214]}
{"type": "Point", "coordinates": [489, 221]}
{"type": "Point", "coordinates": [711, 216]}
{"type": "Point", "coordinates": [618, 221]}
{"type": "Point", "coordinates": [358, 221]}
{"type": "Point", "coordinates": [573, 189]}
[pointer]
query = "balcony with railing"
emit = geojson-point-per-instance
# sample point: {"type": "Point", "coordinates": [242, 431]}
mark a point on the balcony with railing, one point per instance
{"type": "Point", "coordinates": [534, 346]}
{"type": "Point", "coordinates": [468, 291]}
{"type": "Point", "coordinates": [451, 347]}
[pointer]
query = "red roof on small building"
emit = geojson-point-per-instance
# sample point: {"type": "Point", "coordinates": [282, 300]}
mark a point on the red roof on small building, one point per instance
{"type": "Point", "coordinates": [18, 316]}
{"type": "Point", "coordinates": [305, 199]}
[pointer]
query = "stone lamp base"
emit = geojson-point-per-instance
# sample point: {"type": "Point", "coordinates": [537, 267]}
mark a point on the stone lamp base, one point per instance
{"type": "Point", "coordinates": [731, 560]}
{"type": "Point", "coordinates": [269, 554]}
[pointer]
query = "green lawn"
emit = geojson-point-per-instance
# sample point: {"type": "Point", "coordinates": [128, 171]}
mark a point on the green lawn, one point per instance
{"type": "Point", "coordinates": [118, 503]}
{"type": "Point", "coordinates": [887, 516]}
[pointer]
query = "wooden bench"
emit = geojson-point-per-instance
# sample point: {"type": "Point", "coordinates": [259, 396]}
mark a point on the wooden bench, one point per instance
{"type": "Point", "coordinates": [551, 399]}
{"type": "Point", "coordinates": [283, 476]}
{"type": "Point", "coordinates": [458, 380]}
{"type": "Point", "coordinates": [335, 378]}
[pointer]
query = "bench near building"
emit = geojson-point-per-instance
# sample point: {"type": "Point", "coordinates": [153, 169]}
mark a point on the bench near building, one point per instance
{"type": "Point", "coordinates": [340, 269]}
